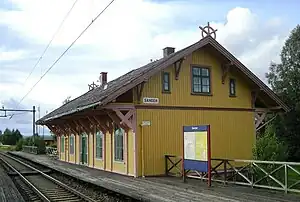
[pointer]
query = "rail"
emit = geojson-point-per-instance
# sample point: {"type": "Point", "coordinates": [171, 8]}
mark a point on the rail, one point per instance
{"type": "Point", "coordinates": [283, 176]}
{"type": "Point", "coordinates": [40, 194]}
{"type": "Point", "coordinates": [57, 182]}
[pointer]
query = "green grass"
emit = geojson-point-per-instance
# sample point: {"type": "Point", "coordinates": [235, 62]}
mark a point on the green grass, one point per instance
{"type": "Point", "coordinates": [7, 147]}
{"type": "Point", "coordinates": [294, 177]}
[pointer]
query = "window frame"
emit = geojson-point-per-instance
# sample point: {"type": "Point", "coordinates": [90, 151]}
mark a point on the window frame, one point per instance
{"type": "Point", "coordinates": [62, 144]}
{"type": "Point", "coordinates": [119, 140]}
{"type": "Point", "coordinates": [201, 77]}
{"type": "Point", "coordinates": [234, 82]}
{"type": "Point", "coordinates": [71, 144]}
{"type": "Point", "coordinates": [99, 135]}
{"type": "Point", "coordinates": [163, 82]}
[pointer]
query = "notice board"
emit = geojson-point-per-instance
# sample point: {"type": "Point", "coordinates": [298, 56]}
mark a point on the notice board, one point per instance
{"type": "Point", "coordinates": [196, 148]}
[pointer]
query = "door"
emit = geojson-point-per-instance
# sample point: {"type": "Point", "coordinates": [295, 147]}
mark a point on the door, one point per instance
{"type": "Point", "coordinates": [83, 149]}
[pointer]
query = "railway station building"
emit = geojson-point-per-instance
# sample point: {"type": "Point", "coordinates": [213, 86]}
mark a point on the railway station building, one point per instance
{"type": "Point", "coordinates": [129, 124]}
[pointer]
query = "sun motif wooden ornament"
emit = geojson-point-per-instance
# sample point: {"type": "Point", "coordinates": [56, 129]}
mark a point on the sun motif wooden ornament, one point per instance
{"type": "Point", "coordinates": [208, 31]}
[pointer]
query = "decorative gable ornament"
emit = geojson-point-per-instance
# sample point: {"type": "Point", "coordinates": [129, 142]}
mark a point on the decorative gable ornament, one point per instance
{"type": "Point", "coordinates": [208, 31]}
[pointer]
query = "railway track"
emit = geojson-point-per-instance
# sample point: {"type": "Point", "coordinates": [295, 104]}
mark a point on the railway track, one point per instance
{"type": "Point", "coordinates": [36, 185]}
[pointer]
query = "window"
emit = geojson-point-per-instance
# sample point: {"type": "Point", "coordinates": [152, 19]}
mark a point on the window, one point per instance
{"type": "Point", "coordinates": [200, 80]}
{"type": "Point", "coordinates": [119, 134]}
{"type": "Point", "coordinates": [232, 87]}
{"type": "Point", "coordinates": [99, 145]}
{"type": "Point", "coordinates": [72, 144]}
{"type": "Point", "coordinates": [166, 82]}
{"type": "Point", "coordinates": [62, 144]}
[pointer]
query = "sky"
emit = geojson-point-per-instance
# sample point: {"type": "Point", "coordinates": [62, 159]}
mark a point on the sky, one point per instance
{"type": "Point", "coordinates": [127, 35]}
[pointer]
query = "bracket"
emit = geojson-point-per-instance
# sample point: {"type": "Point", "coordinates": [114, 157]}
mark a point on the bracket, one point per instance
{"type": "Point", "coordinates": [125, 118]}
{"type": "Point", "coordinates": [225, 70]}
{"type": "Point", "coordinates": [140, 88]}
{"type": "Point", "coordinates": [254, 95]}
{"type": "Point", "coordinates": [177, 67]}
{"type": "Point", "coordinates": [98, 126]}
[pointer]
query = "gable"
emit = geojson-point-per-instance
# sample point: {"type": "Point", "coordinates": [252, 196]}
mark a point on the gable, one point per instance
{"type": "Point", "coordinates": [180, 90]}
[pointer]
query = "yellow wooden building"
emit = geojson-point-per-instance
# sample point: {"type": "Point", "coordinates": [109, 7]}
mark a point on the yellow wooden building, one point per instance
{"type": "Point", "coordinates": [127, 125]}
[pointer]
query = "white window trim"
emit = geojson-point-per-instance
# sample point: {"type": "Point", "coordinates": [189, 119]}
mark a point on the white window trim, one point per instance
{"type": "Point", "coordinates": [114, 159]}
{"type": "Point", "coordinates": [87, 152]}
{"type": "Point", "coordinates": [62, 145]}
{"type": "Point", "coordinates": [72, 136]}
{"type": "Point", "coordinates": [102, 135]}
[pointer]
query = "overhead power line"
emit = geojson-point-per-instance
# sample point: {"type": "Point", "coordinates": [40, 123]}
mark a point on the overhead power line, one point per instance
{"type": "Point", "coordinates": [55, 62]}
{"type": "Point", "coordinates": [48, 45]}
{"type": "Point", "coordinates": [58, 29]}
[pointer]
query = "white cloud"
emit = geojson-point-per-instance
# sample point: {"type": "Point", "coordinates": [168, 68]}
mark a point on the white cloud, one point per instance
{"type": "Point", "coordinates": [127, 35]}
{"type": "Point", "coordinates": [8, 55]}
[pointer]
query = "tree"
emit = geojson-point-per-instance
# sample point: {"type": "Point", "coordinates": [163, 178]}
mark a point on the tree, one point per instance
{"type": "Point", "coordinates": [284, 79]}
{"type": "Point", "coordinates": [19, 145]}
{"type": "Point", "coordinates": [10, 137]}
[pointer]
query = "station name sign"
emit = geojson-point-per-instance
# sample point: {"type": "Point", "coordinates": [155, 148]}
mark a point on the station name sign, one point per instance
{"type": "Point", "coordinates": [150, 100]}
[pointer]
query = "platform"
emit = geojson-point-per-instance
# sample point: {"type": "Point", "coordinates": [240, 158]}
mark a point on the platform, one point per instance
{"type": "Point", "coordinates": [161, 188]}
{"type": "Point", "coordinates": [8, 190]}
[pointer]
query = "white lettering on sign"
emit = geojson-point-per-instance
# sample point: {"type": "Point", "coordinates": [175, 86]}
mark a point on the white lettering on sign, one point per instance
{"type": "Point", "coordinates": [149, 100]}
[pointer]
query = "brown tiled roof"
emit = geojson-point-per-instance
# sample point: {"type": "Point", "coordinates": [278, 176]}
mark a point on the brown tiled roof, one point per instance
{"type": "Point", "coordinates": [115, 88]}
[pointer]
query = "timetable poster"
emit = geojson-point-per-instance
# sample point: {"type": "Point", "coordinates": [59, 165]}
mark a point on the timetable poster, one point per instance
{"type": "Point", "coordinates": [195, 143]}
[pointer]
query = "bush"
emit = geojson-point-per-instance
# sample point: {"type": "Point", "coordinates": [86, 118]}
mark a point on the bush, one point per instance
{"type": "Point", "coordinates": [269, 148]}
{"type": "Point", "coordinates": [41, 148]}
{"type": "Point", "coordinates": [20, 144]}
{"type": "Point", "coordinates": [35, 141]}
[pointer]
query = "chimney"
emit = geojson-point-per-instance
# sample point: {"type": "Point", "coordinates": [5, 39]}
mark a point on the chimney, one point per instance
{"type": "Point", "coordinates": [168, 50]}
{"type": "Point", "coordinates": [103, 78]}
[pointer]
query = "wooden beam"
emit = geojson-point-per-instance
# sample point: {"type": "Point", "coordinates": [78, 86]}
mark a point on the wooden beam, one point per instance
{"type": "Point", "coordinates": [98, 126]}
{"type": "Point", "coordinates": [74, 126]}
{"type": "Point", "coordinates": [119, 106]}
{"type": "Point", "coordinates": [60, 129]}
{"type": "Point", "coordinates": [110, 126]}
{"type": "Point", "coordinates": [53, 129]}
{"type": "Point", "coordinates": [254, 95]}
{"type": "Point", "coordinates": [177, 67]}
{"type": "Point", "coordinates": [259, 118]}
{"type": "Point", "coordinates": [64, 128]}
{"type": "Point", "coordinates": [266, 123]}
{"type": "Point", "coordinates": [85, 126]}
{"type": "Point", "coordinates": [139, 91]}
{"type": "Point", "coordinates": [260, 110]}
{"type": "Point", "coordinates": [78, 126]}
{"type": "Point", "coordinates": [74, 131]}
{"type": "Point", "coordinates": [268, 109]}
{"type": "Point", "coordinates": [225, 70]}
{"type": "Point", "coordinates": [101, 123]}
{"type": "Point", "coordinates": [125, 118]}
{"type": "Point", "coordinates": [116, 120]}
